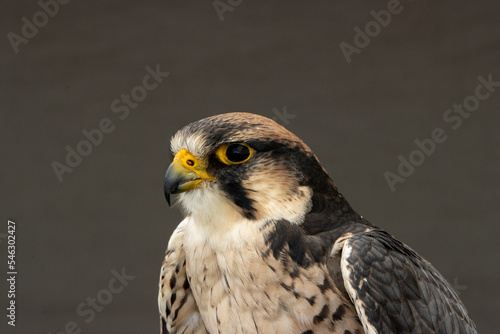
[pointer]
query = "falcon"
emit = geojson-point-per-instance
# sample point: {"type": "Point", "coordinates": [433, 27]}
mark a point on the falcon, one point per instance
{"type": "Point", "coordinates": [269, 245]}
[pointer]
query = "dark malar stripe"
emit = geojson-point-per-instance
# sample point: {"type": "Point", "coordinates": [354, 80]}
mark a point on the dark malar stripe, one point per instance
{"type": "Point", "coordinates": [239, 195]}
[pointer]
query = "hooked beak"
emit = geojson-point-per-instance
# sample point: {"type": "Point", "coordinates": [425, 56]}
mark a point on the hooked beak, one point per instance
{"type": "Point", "coordinates": [184, 173]}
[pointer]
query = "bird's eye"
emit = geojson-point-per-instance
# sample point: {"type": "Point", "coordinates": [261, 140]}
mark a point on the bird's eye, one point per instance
{"type": "Point", "coordinates": [231, 154]}
{"type": "Point", "coordinates": [237, 153]}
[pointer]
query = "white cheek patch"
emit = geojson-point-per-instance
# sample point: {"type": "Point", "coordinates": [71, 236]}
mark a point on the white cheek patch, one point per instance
{"type": "Point", "coordinates": [278, 198]}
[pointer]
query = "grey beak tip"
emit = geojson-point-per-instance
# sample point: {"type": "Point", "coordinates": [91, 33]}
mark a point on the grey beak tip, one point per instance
{"type": "Point", "coordinates": [167, 190]}
{"type": "Point", "coordinates": [167, 196]}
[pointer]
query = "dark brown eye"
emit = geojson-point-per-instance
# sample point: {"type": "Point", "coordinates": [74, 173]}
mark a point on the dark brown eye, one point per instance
{"type": "Point", "coordinates": [237, 153]}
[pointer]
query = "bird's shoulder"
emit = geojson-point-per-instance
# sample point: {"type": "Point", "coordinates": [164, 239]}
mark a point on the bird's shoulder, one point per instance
{"type": "Point", "coordinates": [394, 289]}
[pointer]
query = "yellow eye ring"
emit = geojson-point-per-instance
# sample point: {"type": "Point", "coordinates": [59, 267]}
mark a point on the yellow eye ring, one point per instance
{"type": "Point", "coordinates": [234, 153]}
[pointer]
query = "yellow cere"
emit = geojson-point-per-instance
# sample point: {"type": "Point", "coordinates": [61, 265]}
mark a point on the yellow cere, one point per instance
{"type": "Point", "coordinates": [191, 162]}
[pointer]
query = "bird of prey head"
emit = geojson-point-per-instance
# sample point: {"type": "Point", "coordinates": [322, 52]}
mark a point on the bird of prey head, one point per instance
{"type": "Point", "coordinates": [270, 246]}
{"type": "Point", "coordinates": [248, 165]}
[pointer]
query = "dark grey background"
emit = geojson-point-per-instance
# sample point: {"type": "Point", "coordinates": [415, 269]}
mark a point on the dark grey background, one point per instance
{"type": "Point", "coordinates": [110, 213]}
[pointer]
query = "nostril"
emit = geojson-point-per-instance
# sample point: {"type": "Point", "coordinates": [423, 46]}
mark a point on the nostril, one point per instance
{"type": "Point", "coordinates": [190, 162]}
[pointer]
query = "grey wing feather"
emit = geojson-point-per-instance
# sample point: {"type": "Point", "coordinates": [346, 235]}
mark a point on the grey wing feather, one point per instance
{"type": "Point", "coordinates": [178, 310]}
{"type": "Point", "coordinates": [397, 291]}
